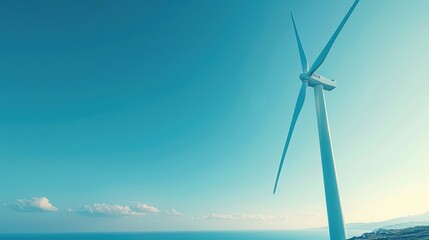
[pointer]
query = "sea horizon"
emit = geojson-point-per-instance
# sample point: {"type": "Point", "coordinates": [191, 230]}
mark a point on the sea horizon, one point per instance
{"type": "Point", "coordinates": [304, 234]}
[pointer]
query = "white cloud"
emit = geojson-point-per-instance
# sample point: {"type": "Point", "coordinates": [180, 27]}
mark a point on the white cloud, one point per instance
{"type": "Point", "coordinates": [245, 217]}
{"type": "Point", "coordinates": [143, 207]}
{"type": "Point", "coordinates": [36, 204]}
{"type": "Point", "coordinates": [308, 214]}
{"type": "Point", "coordinates": [106, 210]}
{"type": "Point", "coordinates": [173, 212]}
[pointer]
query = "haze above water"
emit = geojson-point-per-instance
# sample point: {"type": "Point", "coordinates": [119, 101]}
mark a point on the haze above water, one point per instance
{"type": "Point", "coordinates": [227, 235]}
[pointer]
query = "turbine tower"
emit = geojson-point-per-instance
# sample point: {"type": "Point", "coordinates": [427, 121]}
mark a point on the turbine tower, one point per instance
{"type": "Point", "coordinates": [320, 83]}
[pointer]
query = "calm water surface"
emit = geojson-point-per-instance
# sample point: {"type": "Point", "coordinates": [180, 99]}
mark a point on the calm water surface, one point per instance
{"type": "Point", "coordinates": [226, 235]}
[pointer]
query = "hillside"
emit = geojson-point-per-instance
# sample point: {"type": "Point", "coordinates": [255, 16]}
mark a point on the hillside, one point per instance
{"type": "Point", "coordinates": [412, 233]}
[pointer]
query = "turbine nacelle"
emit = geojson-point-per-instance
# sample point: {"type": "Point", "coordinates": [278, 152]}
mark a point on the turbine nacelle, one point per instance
{"type": "Point", "coordinates": [316, 79]}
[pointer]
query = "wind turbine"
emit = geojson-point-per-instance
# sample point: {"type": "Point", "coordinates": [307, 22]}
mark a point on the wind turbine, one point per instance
{"type": "Point", "coordinates": [320, 83]}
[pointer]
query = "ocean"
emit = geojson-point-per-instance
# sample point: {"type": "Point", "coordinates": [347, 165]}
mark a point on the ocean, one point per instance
{"type": "Point", "coordinates": [218, 235]}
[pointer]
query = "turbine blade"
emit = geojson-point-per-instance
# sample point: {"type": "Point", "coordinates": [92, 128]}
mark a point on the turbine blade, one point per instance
{"type": "Point", "coordinates": [304, 63]}
{"type": "Point", "coordinates": [298, 107]}
{"type": "Point", "coordinates": [331, 41]}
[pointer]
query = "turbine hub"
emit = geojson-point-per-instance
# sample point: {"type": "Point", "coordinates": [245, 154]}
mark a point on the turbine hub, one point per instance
{"type": "Point", "coordinates": [303, 76]}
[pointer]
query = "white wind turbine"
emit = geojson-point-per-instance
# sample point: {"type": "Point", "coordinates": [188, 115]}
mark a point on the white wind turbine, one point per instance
{"type": "Point", "coordinates": [319, 83]}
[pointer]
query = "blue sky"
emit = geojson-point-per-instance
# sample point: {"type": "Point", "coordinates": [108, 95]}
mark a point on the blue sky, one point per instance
{"type": "Point", "coordinates": [114, 114]}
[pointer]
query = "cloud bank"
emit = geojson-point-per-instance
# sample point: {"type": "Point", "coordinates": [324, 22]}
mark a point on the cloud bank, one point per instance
{"type": "Point", "coordinates": [106, 210]}
{"type": "Point", "coordinates": [308, 214]}
{"type": "Point", "coordinates": [36, 204]}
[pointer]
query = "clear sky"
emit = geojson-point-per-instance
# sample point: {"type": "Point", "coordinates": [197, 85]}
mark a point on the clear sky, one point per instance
{"type": "Point", "coordinates": [172, 115]}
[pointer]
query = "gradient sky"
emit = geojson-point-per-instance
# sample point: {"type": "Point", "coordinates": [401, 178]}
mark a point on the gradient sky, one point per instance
{"type": "Point", "coordinates": [119, 112]}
